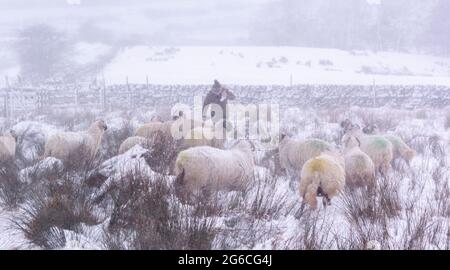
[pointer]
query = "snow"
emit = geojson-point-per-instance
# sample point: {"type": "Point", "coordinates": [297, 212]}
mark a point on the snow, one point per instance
{"type": "Point", "coordinates": [274, 65]}
{"type": "Point", "coordinates": [258, 65]}
{"type": "Point", "coordinates": [86, 53]}
{"type": "Point", "coordinates": [416, 186]}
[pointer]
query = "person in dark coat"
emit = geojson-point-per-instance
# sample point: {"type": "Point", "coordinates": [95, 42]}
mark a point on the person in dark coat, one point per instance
{"type": "Point", "coordinates": [218, 95]}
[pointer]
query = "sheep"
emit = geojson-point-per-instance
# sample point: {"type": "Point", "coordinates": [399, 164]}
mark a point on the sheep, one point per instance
{"type": "Point", "coordinates": [66, 145]}
{"type": "Point", "coordinates": [400, 148]}
{"type": "Point", "coordinates": [148, 130]}
{"type": "Point", "coordinates": [209, 168]}
{"type": "Point", "coordinates": [7, 147]}
{"type": "Point", "coordinates": [294, 153]}
{"type": "Point", "coordinates": [377, 147]}
{"type": "Point", "coordinates": [130, 142]}
{"type": "Point", "coordinates": [323, 175]}
{"type": "Point", "coordinates": [359, 167]}
{"type": "Point", "coordinates": [203, 136]}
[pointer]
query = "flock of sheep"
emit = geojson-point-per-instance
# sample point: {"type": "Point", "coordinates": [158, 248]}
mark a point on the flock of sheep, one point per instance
{"type": "Point", "coordinates": [203, 164]}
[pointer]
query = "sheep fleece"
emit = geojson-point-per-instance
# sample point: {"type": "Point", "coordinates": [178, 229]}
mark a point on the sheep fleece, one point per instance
{"type": "Point", "coordinates": [293, 153]}
{"type": "Point", "coordinates": [7, 147]}
{"type": "Point", "coordinates": [325, 171]}
{"type": "Point", "coordinates": [207, 166]}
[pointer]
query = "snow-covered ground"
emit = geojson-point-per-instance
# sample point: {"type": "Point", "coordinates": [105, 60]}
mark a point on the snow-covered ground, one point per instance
{"type": "Point", "coordinates": [255, 65]}
{"type": "Point", "coordinates": [274, 65]}
{"type": "Point", "coordinates": [419, 194]}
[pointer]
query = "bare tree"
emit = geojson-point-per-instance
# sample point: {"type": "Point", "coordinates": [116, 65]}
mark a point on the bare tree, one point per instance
{"type": "Point", "coordinates": [42, 53]}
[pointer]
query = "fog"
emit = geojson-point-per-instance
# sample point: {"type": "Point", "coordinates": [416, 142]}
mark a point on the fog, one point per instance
{"type": "Point", "coordinates": [351, 24]}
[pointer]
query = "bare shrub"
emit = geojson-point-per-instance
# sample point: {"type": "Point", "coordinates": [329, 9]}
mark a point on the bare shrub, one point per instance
{"type": "Point", "coordinates": [163, 153]}
{"type": "Point", "coordinates": [11, 189]}
{"type": "Point", "coordinates": [447, 120]}
{"type": "Point", "coordinates": [71, 119]}
{"type": "Point", "coordinates": [368, 211]}
{"type": "Point", "coordinates": [29, 138]}
{"type": "Point", "coordinates": [149, 217]}
{"type": "Point", "coordinates": [50, 207]}
{"type": "Point", "coordinates": [419, 143]}
{"type": "Point", "coordinates": [250, 212]}
{"type": "Point", "coordinates": [436, 146]}
{"type": "Point", "coordinates": [416, 232]}
{"type": "Point", "coordinates": [384, 121]}
{"type": "Point", "coordinates": [315, 232]}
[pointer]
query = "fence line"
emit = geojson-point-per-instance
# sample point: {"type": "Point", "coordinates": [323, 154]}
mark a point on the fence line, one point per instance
{"type": "Point", "coordinates": [16, 101]}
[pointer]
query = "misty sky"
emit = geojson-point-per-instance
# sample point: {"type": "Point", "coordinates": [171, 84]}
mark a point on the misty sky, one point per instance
{"type": "Point", "coordinates": [187, 22]}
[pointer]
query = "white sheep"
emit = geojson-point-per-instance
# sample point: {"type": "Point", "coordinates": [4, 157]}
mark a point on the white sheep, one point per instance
{"type": "Point", "coordinates": [207, 167]}
{"type": "Point", "coordinates": [400, 148]}
{"type": "Point", "coordinates": [377, 147]}
{"type": "Point", "coordinates": [148, 130]}
{"type": "Point", "coordinates": [324, 176]}
{"type": "Point", "coordinates": [203, 136]}
{"type": "Point", "coordinates": [294, 153]}
{"type": "Point", "coordinates": [65, 145]}
{"type": "Point", "coordinates": [130, 142]}
{"type": "Point", "coordinates": [7, 147]}
{"type": "Point", "coordinates": [359, 167]}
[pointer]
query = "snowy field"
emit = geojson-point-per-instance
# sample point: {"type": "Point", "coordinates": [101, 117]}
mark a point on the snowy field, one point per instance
{"type": "Point", "coordinates": [47, 205]}
{"type": "Point", "coordinates": [254, 65]}
{"type": "Point", "coordinates": [274, 65]}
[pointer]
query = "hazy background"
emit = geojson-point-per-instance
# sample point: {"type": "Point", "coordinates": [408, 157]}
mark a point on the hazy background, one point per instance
{"type": "Point", "coordinates": [349, 24]}
{"type": "Point", "coordinates": [42, 39]}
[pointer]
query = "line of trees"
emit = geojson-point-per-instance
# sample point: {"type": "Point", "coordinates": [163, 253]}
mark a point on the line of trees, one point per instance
{"type": "Point", "coordinates": [400, 25]}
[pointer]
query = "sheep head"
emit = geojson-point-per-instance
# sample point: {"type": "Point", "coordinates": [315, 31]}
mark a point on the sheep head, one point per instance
{"type": "Point", "coordinates": [99, 124]}
{"type": "Point", "coordinates": [346, 124]}
{"type": "Point", "coordinates": [12, 134]}
{"type": "Point", "coordinates": [349, 141]}
{"type": "Point", "coordinates": [370, 129]}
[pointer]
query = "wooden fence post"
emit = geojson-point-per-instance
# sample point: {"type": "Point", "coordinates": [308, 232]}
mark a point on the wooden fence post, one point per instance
{"type": "Point", "coordinates": [77, 97]}
{"type": "Point", "coordinates": [374, 92]}
{"type": "Point", "coordinates": [130, 96]}
{"type": "Point", "coordinates": [103, 95]}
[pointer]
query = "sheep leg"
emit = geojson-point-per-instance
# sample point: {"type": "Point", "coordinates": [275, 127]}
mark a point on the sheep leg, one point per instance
{"type": "Point", "coordinates": [326, 201]}
{"type": "Point", "coordinates": [292, 181]}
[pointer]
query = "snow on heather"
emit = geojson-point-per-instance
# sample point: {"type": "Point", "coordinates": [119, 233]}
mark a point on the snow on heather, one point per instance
{"type": "Point", "coordinates": [417, 186]}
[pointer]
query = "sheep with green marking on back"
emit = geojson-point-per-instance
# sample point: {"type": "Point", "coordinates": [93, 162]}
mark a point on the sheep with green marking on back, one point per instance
{"type": "Point", "coordinates": [294, 153]}
{"type": "Point", "coordinates": [377, 147]}
{"type": "Point", "coordinates": [399, 147]}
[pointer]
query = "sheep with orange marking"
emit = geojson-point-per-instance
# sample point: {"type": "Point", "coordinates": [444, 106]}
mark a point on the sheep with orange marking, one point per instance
{"type": "Point", "coordinates": [324, 176]}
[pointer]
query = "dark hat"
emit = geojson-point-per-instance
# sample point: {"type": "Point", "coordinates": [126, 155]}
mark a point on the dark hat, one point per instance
{"type": "Point", "coordinates": [216, 87]}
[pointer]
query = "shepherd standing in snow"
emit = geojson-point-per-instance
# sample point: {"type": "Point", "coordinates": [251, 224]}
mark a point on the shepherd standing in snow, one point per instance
{"type": "Point", "coordinates": [218, 95]}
